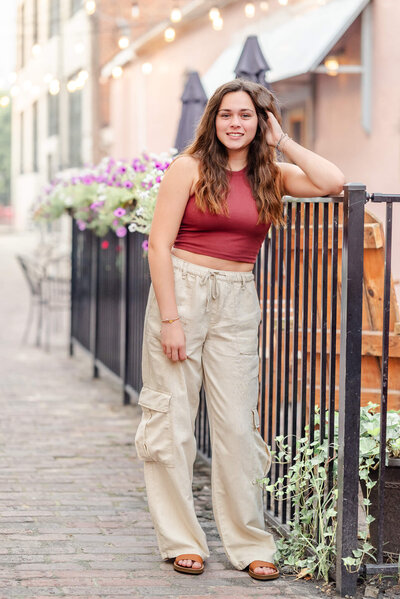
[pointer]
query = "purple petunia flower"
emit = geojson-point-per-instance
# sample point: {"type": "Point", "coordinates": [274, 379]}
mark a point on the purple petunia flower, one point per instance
{"type": "Point", "coordinates": [121, 232]}
{"type": "Point", "coordinates": [115, 222]}
{"type": "Point", "coordinates": [120, 212]}
{"type": "Point", "coordinates": [145, 245]}
{"type": "Point", "coordinates": [81, 225]}
{"type": "Point", "coordinates": [128, 184]}
{"type": "Point", "coordinates": [158, 179]}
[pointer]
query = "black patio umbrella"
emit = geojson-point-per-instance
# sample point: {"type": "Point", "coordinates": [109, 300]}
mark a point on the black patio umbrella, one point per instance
{"type": "Point", "coordinates": [194, 100]}
{"type": "Point", "coordinates": [252, 64]}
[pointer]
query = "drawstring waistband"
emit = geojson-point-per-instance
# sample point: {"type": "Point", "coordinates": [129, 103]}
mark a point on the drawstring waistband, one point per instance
{"type": "Point", "coordinates": [210, 277]}
{"type": "Point", "coordinates": [212, 289]}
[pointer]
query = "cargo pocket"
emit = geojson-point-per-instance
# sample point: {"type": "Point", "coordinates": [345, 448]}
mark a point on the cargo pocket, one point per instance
{"type": "Point", "coordinates": [262, 448]}
{"type": "Point", "coordinates": [153, 438]}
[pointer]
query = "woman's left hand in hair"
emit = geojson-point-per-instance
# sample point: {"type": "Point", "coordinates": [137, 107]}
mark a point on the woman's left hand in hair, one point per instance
{"type": "Point", "coordinates": [274, 130]}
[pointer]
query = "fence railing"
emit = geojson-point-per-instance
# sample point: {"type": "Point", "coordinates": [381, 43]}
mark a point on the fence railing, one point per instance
{"type": "Point", "coordinates": [310, 278]}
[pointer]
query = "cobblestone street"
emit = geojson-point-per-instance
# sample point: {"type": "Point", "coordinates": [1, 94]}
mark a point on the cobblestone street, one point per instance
{"type": "Point", "coordinates": [74, 520]}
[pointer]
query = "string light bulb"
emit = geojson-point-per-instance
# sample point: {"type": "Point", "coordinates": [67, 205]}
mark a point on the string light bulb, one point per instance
{"type": "Point", "coordinates": [214, 13]}
{"type": "Point", "coordinates": [71, 86]}
{"type": "Point", "coordinates": [218, 24]}
{"type": "Point", "coordinates": [36, 50]}
{"type": "Point", "coordinates": [4, 101]}
{"type": "Point", "coordinates": [147, 68]}
{"type": "Point", "coordinates": [332, 65]}
{"type": "Point", "coordinates": [123, 42]}
{"type": "Point", "coordinates": [250, 10]}
{"type": "Point", "coordinates": [176, 15]}
{"type": "Point", "coordinates": [90, 7]}
{"type": "Point", "coordinates": [264, 6]}
{"type": "Point", "coordinates": [135, 10]}
{"type": "Point", "coordinates": [283, 2]}
{"type": "Point", "coordinates": [54, 87]}
{"type": "Point", "coordinates": [117, 72]}
{"type": "Point", "coordinates": [169, 34]}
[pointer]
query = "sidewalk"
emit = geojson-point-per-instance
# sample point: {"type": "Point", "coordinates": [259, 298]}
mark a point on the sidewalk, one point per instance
{"type": "Point", "coordinates": [73, 515]}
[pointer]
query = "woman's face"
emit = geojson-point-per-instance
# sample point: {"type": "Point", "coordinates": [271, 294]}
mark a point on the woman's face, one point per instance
{"type": "Point", "coordinates": [236, 122]}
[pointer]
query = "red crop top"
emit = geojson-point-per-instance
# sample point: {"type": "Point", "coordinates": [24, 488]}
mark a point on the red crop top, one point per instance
{"type": "Point", "coordinates": [235, 237]}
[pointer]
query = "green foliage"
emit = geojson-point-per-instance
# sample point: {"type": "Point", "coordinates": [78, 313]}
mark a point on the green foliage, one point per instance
{"type": "Point", "coordinates": [310, 546]}
{"type": "Point", "coordinates": [109, 196]}
{"type": "Point", "coordinates": [370, 421]}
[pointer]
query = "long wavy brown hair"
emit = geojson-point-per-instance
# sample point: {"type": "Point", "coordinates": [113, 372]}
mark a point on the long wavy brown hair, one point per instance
{"type": "Point", "coordinates": [263, 175]}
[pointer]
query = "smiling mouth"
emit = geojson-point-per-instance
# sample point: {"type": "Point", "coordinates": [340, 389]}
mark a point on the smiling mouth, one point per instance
{"type": "Point", "coordinates": [235, 134]}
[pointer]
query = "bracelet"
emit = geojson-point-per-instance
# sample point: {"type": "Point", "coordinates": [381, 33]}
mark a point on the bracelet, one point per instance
{"type": "Point", "coordinates": [171, 320]}
{"type": "Point", "coordinates": [282, 137]}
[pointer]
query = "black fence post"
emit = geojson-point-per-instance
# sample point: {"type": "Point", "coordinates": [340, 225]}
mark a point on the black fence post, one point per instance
{"type": "Point", "coordinates": [94, 304]}
{"type": "Point", "coordinates": [124, 319]}
{"type": "Point", "coordinates": [72, 291]}
{"type": "Point", "coordinates": [350, 383]}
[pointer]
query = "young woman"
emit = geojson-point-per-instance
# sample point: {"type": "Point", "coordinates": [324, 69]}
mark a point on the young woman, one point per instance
{"type": "Point", "coordinates": [215, 205]}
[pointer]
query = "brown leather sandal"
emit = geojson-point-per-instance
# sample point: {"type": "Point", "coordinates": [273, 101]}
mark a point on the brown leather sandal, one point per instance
{"type": "Point", "coordinates": [186, 569]}
{"type": "Point", "coordinates": [260, 564]}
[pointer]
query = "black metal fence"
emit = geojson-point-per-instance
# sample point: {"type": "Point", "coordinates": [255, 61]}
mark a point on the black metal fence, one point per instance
{"type": "Point", "coordinates": [110, 284]}
{"type": "Point", "coordinates": [310, 278]}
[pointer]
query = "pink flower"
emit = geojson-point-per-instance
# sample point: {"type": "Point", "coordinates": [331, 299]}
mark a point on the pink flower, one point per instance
{"type": "Point", "coordinates": [120, 212]}
{"type": "Point", "coordinates": [104, 245]}
{"type": "Point", "coordinates": [81, 225]}
{"type": "Point", "coordinates": [121, 232]}
{"type": "Point", "coordinates": [145, 245]}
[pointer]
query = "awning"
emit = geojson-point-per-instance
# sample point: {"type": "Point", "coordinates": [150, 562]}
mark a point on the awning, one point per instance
{"type": "Point", "coordinates": [294, 39]}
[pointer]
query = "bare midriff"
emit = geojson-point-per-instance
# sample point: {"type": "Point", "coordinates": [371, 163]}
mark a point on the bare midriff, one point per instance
{"type": "Point", "coordinates": [211, 261]}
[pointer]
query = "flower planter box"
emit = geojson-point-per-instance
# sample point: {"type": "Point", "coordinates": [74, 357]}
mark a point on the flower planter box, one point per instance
{"type": "Point", "coordinates": [391, 523]}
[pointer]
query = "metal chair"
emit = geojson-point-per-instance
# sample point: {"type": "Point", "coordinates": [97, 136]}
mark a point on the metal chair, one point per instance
{"type": "Point", "coordinates": [56, 291]}
{"type": "Point", "coordinates": [34, 274]}
{"type": "Point", "coordinates": [49, 283]}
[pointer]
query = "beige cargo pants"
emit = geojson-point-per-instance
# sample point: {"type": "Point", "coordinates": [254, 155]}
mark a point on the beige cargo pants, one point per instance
{"type": "Point", "coordinates": [220, 314]}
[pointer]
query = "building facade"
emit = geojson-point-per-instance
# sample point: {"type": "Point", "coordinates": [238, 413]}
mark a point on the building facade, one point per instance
{"type": "Point", "coordinates": [332, 67]}
{"type": "Point", "coordinates": [60, 105]}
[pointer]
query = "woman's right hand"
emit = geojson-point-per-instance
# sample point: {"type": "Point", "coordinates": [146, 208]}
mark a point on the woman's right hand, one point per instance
{"type": "Point", "coordinates": [173, 340]}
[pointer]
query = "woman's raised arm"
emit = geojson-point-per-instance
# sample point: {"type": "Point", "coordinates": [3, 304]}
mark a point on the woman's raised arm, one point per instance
{"type": "Point", "coordinates": [311, 175]}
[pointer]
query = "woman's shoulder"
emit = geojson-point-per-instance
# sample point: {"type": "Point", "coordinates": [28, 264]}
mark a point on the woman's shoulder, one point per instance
{"type": "Point", "coordinates": [185, 162]}
{"type": "Point", "coordinates": [186, 168]}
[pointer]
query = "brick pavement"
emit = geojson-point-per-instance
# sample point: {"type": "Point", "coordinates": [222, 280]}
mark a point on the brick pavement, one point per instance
{"type": "Point", "coordinates": [74, 520]}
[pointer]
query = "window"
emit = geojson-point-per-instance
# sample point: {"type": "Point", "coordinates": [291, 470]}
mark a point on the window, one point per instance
{"type": "Point", "coordinates": [296, 125]}
{"type": "Point", "coordinates": [21, 143]}
{"type": "Point", "coordinates": [75, 6]}
{"type": "Point", "coordinates": [35, 137]}
{"type": "Point", "coordinates": [54, 17]}
{"type": "Point", "coordinates": [21, 37]}
{"type": "Point", "coordinates": [53, 115]}
{"type": "Point", "coordinates": [35, 35]}
{"type": "Point", "coordinates": [75, 128]}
